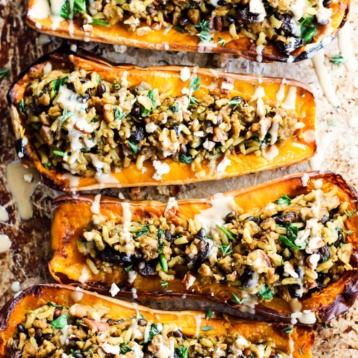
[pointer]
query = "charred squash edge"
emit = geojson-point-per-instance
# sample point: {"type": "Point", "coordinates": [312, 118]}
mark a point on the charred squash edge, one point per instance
{"type": "Point", "coordinates": [325, 304]}
{"type": "Point", "coordinates": [176, 41]}
{"type": "Point", "coordinates": [36, 296]}
{"type": "Point", "coordinates": [289, 153]}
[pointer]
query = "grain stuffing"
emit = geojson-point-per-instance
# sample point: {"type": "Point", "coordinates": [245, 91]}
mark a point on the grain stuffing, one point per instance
{"type": "Point", "coordinates": [289, 248]}
{"type": "Point", "coordinates": [287, 24]}
{"type": "Point", "coordinates": [83, 331]}
{"type": "Point", "coordinates": [84, 125]}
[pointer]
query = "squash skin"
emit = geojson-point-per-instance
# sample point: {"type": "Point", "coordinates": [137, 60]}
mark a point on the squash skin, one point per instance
{"type": "Point", "coordinates": [36, 296]}
{"type": "Point", "coordinates": [73, 214]}
{"type": "Point", "coordinates": [176, 41]}
{"type": "Point", "coordinates": [292, 151]}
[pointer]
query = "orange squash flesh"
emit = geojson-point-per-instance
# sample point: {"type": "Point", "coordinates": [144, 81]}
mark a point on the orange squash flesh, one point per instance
{"type": "Point", "coordinates": [72, 215]}
{"type": "Point", "coordinates": [177, 41]}
{"type": "Point", "coordinates": [295, 149]}
{"type": "Point", "coordinates": [299, 342]}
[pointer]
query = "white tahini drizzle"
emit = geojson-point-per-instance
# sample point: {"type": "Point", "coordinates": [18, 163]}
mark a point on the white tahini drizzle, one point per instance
{"type": "Point", "coordinates": [346, 48]}
{"type": "Point", "coordinates": [324, 78]}
{"type": "Point", "coordinates": [20, 189]}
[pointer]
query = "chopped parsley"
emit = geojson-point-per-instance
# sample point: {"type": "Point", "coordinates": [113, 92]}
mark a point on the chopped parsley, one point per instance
{"type": "Point", "coordinates": [266, 292]}
{"type": "Point", "coordinates": [283, 200]}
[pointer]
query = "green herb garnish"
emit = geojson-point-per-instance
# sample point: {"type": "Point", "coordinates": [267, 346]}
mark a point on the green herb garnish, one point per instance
{"type": "Point", "coordinates": [163, 262]}
{"type": "Point", "coordinates": [4, 72]}
{"type": "Point", "coordinates": [155, 329]}
{"type": "Point", "coordinates": [143, 231]}
{"type": "Point", "coordinates": [60, 322]}
{"type": "Point", "coordinates": [225, 249]}
{"type": "Point", "coordinates": [58, 153]}
{"type": "Point", "coordinates": [100, 22]}
{"type": "Point", "coordinates": [183, 352]}
{"type": "Point", "coordinates": [221, 42]}
{"type": "Point", "coordinates": [128, 268]}
{"type": "Point", "coordinates": [185, 158]}
{"type": "Point", "coordinates": [124, 347]}
{"type": "Point", "coordinates": [337, 59]}
{"type": "Point", "coordinates": [238, 300]}
{"type": "Point", "coordinates": [227, 232]}
{"type": "Point", "coordinates": [204, 34]}
{"type": "Point", "coordinates": [133, 147]}
{"type": "Point", "coordinates": [266, 292]}
{"type": "Point", "coordinates": [164, 284]}
{"type": "Point", "coordinates": [194, 84]}
{"type": "Point", "coordinates": [283, 200]}
{"type": "Point", "coordinates": [209, 314]}
{"type": "Point", "coordinates": [350, 213]}
{"type": "Point", "coordinates": [206, 328]}
{"type": "Point", "coordinates": [118, 115]}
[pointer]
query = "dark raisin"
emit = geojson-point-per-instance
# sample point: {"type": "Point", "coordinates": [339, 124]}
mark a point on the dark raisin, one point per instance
{"type": "Point", "coordinates": [324, 219]}
{"type": "Point", "coordinates": [178, 333]}
{"type": "Point", "coordinates": [183, 149]}
{"type": "Point", "coordinates": [114, 334]}
{"type": "Point", "coordinates": [279, 271]}
{"type": "Point", "coordinates": [229, 19]}
{"type": "Point", "coordinates": [247, 275]}
{"type": "Point", "coordinates": [290, 217]}
{"type": "Point", "coordinates": [279, 220]}
{"type": "Point", "coordinates": [246, 17]}
{"type": "Point", "coordinates": [324, 253]}
{"type": "Point", "coordinates": [21, 328]}
{"type": "Point", "coordinates": [288, 24]}
{"type": "Point", "coordinates": [137, 135]}
{"type": "Point", "coordinates": [84, 80]}
{"type": "Point", "coordinates": [201, 233]}
{"type": "Point", "coordinates": [70, 86]}
{"type": "Point", "coordinates": [222, 2]}
{"type": "Point", "coordinates": [255, 220]}
{"type": "Point", "coordinates": [327, 3]}
{"type": "Point", "coordinates": [101, 88]}
{"type": "Point", "coordinates": [37, 109]}
{"type": "Point", "coordinates": [38, 333]}
{"type": "Point", "coordinates": [177, 130]}
{"type": "Point", "coordinates": [57, 313]}
{"type": "Point", "coordinates": [150, 10]}
{"type": "Point", "coordinates": [47, 337]}
{"type": "Point", "coordinates": [294, 291]}
{"type": "Point", "coordinates": [145, 269]}
{"type": "Point", "coordinates": [84, 98]}
{"type": "Point", "coordinates": [71, 344]}
{"type": "Point", "coordinates": [136, 111]}
{"type": "Point", "coordinates": [287, 48]}
{"type": "Point", "coordinates": [142, 322]}
{"type": "Point", "coordinates": [183, 21]}
{"type": "Point", "coordinates": [168, 236]}
{"type": "Point", "coordinates": [79, 355]}
{"type": "Point", "coordinates": [229, 218]}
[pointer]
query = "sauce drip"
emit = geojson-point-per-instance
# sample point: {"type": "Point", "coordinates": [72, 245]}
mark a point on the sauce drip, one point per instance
{"type": "Point", "coordinates": [21, 189]}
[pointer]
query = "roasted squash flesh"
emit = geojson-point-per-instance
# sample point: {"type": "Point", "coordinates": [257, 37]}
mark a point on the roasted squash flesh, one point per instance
{"type": "Point", "coordinates": [86, 124]}
{"type": "Point", "coordinates": [286, 248]}
{"type": "Point", "coordinates": [55, 320]}
{"type": "Point", "coordinates": [259, 30]}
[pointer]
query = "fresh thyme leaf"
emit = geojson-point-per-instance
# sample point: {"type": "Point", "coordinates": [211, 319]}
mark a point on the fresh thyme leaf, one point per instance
{"type": "Point", "coordinates": [349, 232]}
{"type": "Point", "coordinates": [167, 29]}
{"type": "Point", "coordinates": [21, 105]}
{"type": "Point", "coordinates": [284, 199]}
{"type": "Point", "coordinates": [179, 29]}
{"type": "Point", "coordinates": [54, 305]}
{"type": "Point", "coordinates": [238, 300]}
{"type": "Point", "coordinates": [227, 232]}
{"type": "Point", "coordinates": [209, 314]}
{"type": "Point", "coordinates": [65, 116]}
{"type": "Point", "coordinates": [133, 147]}
{"type": "Point", "coordinates": [185, 158]}
{"type": "Point", "coordinates": [174, 108]}
{"type": "Point", "coordinates": [288, 330]}
{"type": "Point", "coordinates": [193, 100]}
{"type": "Point", "coordinates": [206, 328]}
{"type": "Point", "coordinates": [163, 262]}
{"type": "Point", "coordinates": [350, 213]}
{"type": "Point", "coordinates": [235, 102]}
{"type": "Point", "coordinates": [266, 292]}
{"type": "Point", "coordinates": [128, 268]}
{"type": "Point", "coordinates": [164, 284]}
{"type": "Point", "coordinates": [205, 33]}
{"type": "Point", "coordinates": [221, 42]}
{"type": "Point", "coordinates": [194, 84]}
{"type": "Point", "coordinates": [225, 249]}
{"type": "Point", "coordinates": [118, 114]}
{"type": "Point", "coordinates": [338, 59]}
{"type": "Point", "coordinates": [4, 72]}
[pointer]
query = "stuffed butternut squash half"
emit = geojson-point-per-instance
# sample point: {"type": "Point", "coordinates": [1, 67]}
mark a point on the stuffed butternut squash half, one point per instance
{"type": "Point", "coordinates": [286, 250]}
{"type": "Point", "coordinates": [87, 124]}
{"type": "Point", "coordinates": [261, 30]}
{"type": "Point", "coordinates": [61, 321]}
